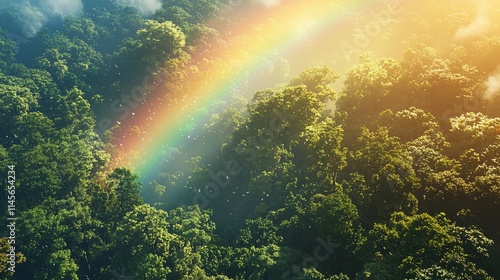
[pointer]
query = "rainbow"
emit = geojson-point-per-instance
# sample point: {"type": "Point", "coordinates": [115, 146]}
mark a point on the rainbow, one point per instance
{"type": "Point", "coordinates": [257, 34]}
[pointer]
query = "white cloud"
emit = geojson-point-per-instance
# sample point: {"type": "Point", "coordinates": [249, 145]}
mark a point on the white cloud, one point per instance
{"type": "Point", "coordinates": [35, 14]}
{"type": "Point", "coordinates": [270, 3]}
{"type": "Point", "coordinates": [479, 25]}
{"type": "Point", "coordinates": [492, 85]}
{"type": "Point", "coordinates": [144, 7]}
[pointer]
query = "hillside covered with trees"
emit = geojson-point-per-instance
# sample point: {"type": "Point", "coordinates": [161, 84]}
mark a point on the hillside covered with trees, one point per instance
{"type": "Point", "coordinates": [159, 139]}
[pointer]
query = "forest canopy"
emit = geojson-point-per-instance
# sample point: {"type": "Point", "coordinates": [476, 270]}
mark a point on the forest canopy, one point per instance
{"type": "Point", "coordinates": [218, 139]}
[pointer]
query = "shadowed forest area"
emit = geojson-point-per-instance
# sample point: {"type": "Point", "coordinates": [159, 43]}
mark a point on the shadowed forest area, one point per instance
{"type": "Point", "coordinates": [252, 139]}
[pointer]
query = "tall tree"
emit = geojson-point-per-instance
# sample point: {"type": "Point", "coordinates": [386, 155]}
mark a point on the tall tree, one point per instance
{"type": "Point", "coordinates": [415, 246]}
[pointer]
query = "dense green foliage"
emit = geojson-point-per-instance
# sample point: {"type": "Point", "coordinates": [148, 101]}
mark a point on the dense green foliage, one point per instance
{"type": "Point", "coordinates": [390, 170]}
